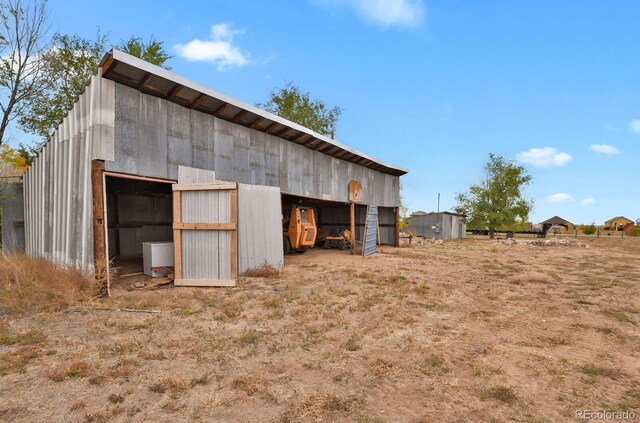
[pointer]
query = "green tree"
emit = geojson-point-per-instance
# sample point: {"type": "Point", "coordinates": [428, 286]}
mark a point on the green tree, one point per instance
{"type": "Point", "coordinates": [23, 28]}
{"type": "Point", "coordinates": [152, 51]}
{"type": "Point", "coordinates": [497, 201]}
{"type": "Point", "coordinates": [297, 106]}
{"type": "Point", "coordinates": [588, 229]}
{"type": "Point", "coordinates": [69, 65]}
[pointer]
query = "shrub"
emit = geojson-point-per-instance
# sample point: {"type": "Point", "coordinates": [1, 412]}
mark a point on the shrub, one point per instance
{"type": "Point", "coordinates": [632, 230]}
{"type": "Point", "coordinates": [589, 229]}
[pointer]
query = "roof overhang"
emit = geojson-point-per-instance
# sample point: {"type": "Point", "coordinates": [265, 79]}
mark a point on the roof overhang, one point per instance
{"type": "Point", "coordinates": [159, 82]}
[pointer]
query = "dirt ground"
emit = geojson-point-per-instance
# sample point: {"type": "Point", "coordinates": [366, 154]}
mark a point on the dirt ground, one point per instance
{"type": "Point", "coordinates": [464, 331]}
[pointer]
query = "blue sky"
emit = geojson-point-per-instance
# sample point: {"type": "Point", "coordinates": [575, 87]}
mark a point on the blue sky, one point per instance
{"type": "Point", "coordinates": [430, 86]}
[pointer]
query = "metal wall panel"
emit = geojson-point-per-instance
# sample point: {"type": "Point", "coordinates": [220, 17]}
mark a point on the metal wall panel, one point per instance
{"type": "Point", "coordinates": [57, 187]}
{"type": "Point", "coordinates": [205, 253]}
{"type": "Point", "coordinates": [259, 227]}
{"type": "Point", "coordinates": [443, 226]}
{"type": "Point", "coordinates": [150, 142]}
{"type": "Point", "coordinates": [13, 210]}
{"type": "Point", "coordinates": [387, 216]}
{"type": "Point", "coordinates": [371, 239]}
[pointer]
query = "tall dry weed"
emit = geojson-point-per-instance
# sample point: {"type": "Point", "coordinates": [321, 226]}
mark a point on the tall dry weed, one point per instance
{"type": "Point", "coordinates": [34, 284]}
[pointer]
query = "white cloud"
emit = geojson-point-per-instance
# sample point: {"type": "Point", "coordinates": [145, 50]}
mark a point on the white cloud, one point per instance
{"type": "Point", "coordinates": [588, 201]}
{"type": "Point", "coordinates": [635, 126]}
{"type": "Point", "coordinates": [559, 197]}
{"type": "Point", "coordinates": [604, 149]}
{"type": "Point", "coordinates": [386, 13]}
{"type": "Point", "coordinates": [219, 50]}
{"type": "Point", "coordinates": [543, 157]}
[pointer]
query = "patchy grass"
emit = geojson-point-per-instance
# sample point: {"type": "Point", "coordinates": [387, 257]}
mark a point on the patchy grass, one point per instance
{"type": "Point", "coordinates": [171, 385]}
{"type": "Point", "coordinates": [75, 369]}
{"type": "Point", "coordinates": [501, 393]}
{"type": "Point", "coordinates": [335, 337]}
{"type": "Point", "coordinates": [621, 316]}
{"type": "Point", "coordinates": [31, 336]}
{"type": "Point", "coordinates": [594, 370]}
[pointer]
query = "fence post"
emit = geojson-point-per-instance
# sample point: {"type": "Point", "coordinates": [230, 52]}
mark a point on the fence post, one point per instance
{"type": "Point", "coordinates": [576, 234]}
{"type": "Point", "coordinates": [597, 233]}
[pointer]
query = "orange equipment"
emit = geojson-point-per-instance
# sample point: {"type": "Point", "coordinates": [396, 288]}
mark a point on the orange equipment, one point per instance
{"type": "Point", "coordinates": [299, 229]}
{"type": "Point", "coordinates": [338, 239]}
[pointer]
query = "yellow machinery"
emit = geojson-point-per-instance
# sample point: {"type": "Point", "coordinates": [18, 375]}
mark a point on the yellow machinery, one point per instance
{"type": "Point", "coordinates": [338, 239]}
{"type": "Point", "coordinates": [298, 229]}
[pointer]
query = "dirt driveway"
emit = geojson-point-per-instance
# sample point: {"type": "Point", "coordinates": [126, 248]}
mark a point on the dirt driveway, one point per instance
{"type": "Point", "coordinates": [464, 331]}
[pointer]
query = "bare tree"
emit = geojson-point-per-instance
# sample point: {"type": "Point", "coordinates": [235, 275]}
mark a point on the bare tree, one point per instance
{"type": "Point", "coordinates": [23, 28]}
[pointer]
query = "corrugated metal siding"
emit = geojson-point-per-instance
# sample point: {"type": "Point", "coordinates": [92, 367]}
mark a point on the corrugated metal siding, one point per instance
{"type": "Point", "coordinates": [57, 187]}
{"type": "Point", "coordinates": [12, 210]}
{"type": "Point", "coordinates": [206, 254]}
{"type": "Point", "coordinates": [371, 237]}
{"type": "Point", "coordinates": [155, 136]}
{"type": "Point", "coordinates": [437, 226]}
{"type": "Point", "coordinates": [259, 227]}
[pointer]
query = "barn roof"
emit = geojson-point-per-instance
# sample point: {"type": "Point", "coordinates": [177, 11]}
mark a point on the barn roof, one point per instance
{"type": "Point", "coordinates": [618, 217]}
{"type": "Point", "coordinates": [154, 80]}
{"type": "Point", "coordinates": [556, 219]}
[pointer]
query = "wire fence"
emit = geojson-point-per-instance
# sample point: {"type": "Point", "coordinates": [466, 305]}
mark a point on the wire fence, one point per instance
{"type": "Point", "coordinates": [577, 234]}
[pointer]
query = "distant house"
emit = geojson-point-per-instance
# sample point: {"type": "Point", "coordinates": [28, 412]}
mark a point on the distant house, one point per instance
{"type": "Point", "coordinates": [555, 221]}
{"type": "Point", "coordinates": [617, 223]}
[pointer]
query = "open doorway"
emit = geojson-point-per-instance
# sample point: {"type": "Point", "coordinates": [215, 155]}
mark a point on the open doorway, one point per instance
{"type": "Point", "coordinates": [139, 216]}
{"type": "Point", "coordinates": [331, 219]}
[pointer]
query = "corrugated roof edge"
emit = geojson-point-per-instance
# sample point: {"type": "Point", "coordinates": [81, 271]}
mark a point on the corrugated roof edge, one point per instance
{"type": "Point", "coordinates": [120, 56]}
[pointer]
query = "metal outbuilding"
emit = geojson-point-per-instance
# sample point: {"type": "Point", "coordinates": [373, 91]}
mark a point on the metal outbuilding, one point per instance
{"type": "Point", "coordinates": [147, 155]}
{"type": "Point", "coordinates": [443, 225]}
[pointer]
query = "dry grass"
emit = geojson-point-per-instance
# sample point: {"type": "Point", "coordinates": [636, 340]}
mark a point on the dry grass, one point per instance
{"type": "Point", "coordinates": [431, 332]}
{"type": "Point", "coordinates": [264, 271]}
{"type": "Point", "coordinates": [28, 284]}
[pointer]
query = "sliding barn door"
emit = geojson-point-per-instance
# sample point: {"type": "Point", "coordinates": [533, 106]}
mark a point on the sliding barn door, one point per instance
{"type": "Point", "coordinates": [205, 234]}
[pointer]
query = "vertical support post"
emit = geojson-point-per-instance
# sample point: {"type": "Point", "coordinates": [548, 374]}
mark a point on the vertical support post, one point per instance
{"type": "Point", "coordinates": [177, 236]}
{"type": "Point", "coordinates": [353, 227]}
{"type": "Point", "coordinates": [397, 227]}
{"type": "Point", "coordinates": [234, 233]}
{"type": "Point", "coordinates": [99, 233]}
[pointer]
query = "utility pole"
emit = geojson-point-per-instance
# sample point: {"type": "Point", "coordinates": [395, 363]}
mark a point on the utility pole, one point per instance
{"type": "Point", "coordinates": [438, 202]}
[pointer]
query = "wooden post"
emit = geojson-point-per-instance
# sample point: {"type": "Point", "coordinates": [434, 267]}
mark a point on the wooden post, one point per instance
{"type": "Point", "coordinates": [99, 233]}
{"type": "Point", "coordinates": [353, 227]}
{"type": "Point", "coordinates": [397, 228]}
